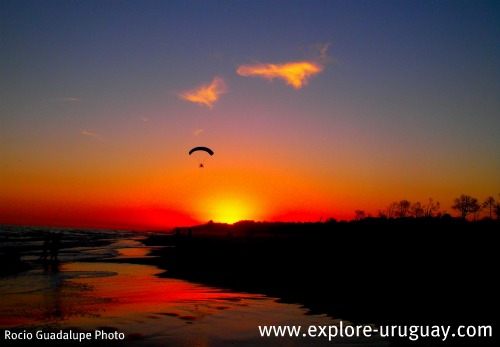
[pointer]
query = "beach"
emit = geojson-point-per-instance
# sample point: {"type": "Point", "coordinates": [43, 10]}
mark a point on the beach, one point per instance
{"type": "Point", "coordinates": [104, 285]}
{"type": "Point", "coordinates": [214, 285]}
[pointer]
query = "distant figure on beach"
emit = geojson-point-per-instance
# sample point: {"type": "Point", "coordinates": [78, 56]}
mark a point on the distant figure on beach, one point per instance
{"type": "Point", "coordinates": [46, 246]}
{"type": "Point", "coordinates": [55, 245]}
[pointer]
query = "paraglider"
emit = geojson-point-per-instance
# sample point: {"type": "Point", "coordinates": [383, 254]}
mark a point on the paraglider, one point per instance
{"type": "Point", "coordinates": [201, 153]}
{"type": "Point", "coordinates": [206, 149]}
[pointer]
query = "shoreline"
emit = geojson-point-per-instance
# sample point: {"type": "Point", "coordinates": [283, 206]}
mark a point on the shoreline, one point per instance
{"type": "Point", "coordinates": [400, 275]}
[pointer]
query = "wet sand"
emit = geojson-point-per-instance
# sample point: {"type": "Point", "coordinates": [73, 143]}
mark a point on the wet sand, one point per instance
{"type": "Point", "coordinates": [105, 283]}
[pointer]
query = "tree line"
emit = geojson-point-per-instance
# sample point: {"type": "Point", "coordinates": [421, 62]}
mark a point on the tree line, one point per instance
{"type": "Point", "coordinates": [464, 206]}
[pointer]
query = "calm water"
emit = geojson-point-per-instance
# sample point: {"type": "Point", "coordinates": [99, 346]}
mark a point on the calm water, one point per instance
{"type": "Point", "coordinates": [132, 299]}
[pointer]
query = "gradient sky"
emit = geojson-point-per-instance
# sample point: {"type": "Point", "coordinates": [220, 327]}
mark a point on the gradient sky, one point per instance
{"type": "Point", "coordinates": [313, 109]}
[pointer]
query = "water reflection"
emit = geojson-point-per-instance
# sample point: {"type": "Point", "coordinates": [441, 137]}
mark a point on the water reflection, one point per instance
{"type": "Point", "coordinates": [150, 310]}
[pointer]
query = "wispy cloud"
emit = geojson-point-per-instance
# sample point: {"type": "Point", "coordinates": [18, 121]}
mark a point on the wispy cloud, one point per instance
{"type": "Point", "coordinates": [321, 49]}
{"type": "Point", "coordinates": [295, 74]}
{"type": "Point", "coordinates": [62, 100]}
{"type": "Point", "coordinates": [198, 132]}
{"type": "Point", "coordinates": [90, 134]}
{"type": "Point", "coordinates": [70, 99]}
{"type": "Point", "coordinates": [143, 119]}
{"type": "Point", "coordinates": [206, 94]}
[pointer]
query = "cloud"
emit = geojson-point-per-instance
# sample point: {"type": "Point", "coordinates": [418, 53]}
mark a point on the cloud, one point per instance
{"type": "Point", "coordinates": [321, 49]}
{"type": "Point", "coordinates": [206, 94]}
{"type": "Point", "coordinates": [70, 99]}
{"type": "Point", "coordinates": [143, 119]}
{"type": "Point", "coordinates": [62, 100]}
{"type": "Point", "coordinates": [295, 74]}
{"type": "Point", "coordinates": [198, 132]}
{"type": "Point", "coordinates": [89, 134]}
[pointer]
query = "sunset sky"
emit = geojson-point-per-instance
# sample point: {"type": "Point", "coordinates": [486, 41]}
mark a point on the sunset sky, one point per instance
{"type": "Point", "coordinates": [313, 108]}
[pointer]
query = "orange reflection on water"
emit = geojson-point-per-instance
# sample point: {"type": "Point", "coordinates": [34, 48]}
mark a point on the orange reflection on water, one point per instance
{"type": "Point", "coordinates": [150, 310]}
{"type": "Point", "coordinates": [136, 289]}
{"type": "Point", "coordinates": [133, 252]}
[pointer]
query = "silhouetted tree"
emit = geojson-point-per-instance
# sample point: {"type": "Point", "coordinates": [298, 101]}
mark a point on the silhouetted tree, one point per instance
{"type": "Point", "coordinates": [391, 210]}
{"type": "Point", "coordinates": [464, 205]}
{"type": "Point", "coordinates": [359, 215]}
{"type": "Point", "coordinates": [417, 210]}
{"type": "Point", "coordinates": [476, 208]}
{"type": "Point", "coordinates": [489, 204]}
{"type": "Point", "coordinates": [381, 214]}
{"type": "Point", "coordinates": [431, 208]}
{"type": "Point", "coordinates": [402, 208]}
{"type": "Point", "coordinates": [497, 211]}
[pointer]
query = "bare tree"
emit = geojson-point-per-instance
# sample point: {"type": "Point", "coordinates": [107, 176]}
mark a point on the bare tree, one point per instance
{"type": "Point", "coordinates": [497, 210]}
{"type": "Point", "coordinates": [402, 208]}
{"type": "Point", "coordinates": [417, 210]}
{"type": "Point", "coordinates": [431, 208]}
{"type": "Point", "coordinates": [475, 209]}
{"type": "Point", "coordinates": [489, 204]}
{"type": "Point", "coordinates": [464, 205]}
{"type": "Point", "coordinates": [391, 210]}
{"type": "Point", "coordinates": [359, 215]}
{"type": "Point", "coordinates": [381, 214]}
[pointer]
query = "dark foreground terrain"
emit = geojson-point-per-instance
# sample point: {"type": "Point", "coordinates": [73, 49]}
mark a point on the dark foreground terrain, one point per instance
{"type": "Point", "coordinates": [406, 271]}
{"type": "Point", "coordinates": [438, 271]}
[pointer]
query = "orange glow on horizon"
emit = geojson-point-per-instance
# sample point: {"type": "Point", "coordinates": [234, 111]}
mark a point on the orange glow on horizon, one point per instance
{"type": "Point", "coordinates": [224, 209]}
{"type": "Point", "coordinates": [230, 212]}
{"type": "Point", "coordinates": [160, 200]}
{"type": "Point", "coordinates": [94, 216]}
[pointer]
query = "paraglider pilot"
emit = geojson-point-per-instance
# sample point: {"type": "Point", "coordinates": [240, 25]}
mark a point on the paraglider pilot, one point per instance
{"type": "Point", "coordinates": [202, 149]}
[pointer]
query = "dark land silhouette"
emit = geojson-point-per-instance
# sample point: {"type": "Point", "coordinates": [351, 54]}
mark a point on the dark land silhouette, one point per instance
{"type": "Point", "coordinates": [414, 271]}
{"type": "Point", "coordinates": [385, 271]}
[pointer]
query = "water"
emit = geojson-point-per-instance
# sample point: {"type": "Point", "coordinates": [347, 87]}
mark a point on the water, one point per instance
{"type": "Point", "coordinates": [87, 292]}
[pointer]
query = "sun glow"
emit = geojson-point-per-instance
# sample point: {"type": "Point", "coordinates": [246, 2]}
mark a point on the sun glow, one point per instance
{"type": "Point", "coordinates": [230, 211]}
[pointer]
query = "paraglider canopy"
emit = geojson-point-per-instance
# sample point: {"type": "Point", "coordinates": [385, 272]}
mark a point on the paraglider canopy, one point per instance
{"type": "Point", "coordinates": [201, 154]}
{"type": "Point", "coordinates": [206, 149]}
